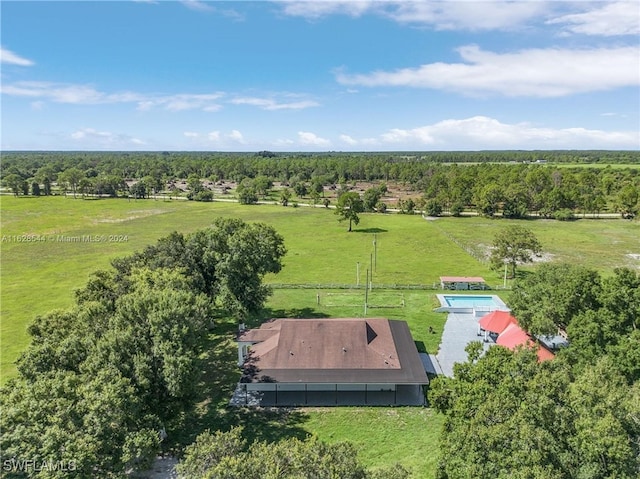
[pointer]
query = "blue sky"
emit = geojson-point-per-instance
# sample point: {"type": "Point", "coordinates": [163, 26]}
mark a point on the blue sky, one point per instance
{"type": "Point", "coordinates": [320, 75]}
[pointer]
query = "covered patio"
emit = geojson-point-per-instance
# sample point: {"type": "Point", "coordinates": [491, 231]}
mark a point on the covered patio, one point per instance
{"type": "Point", "coordinates": [463, 283]}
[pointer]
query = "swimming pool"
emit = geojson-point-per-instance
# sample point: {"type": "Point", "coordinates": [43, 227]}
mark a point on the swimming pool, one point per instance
{"type": "Point", "coordinates": [470, 303]}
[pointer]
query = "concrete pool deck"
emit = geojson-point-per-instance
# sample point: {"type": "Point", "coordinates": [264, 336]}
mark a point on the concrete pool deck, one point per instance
{"type": "Point", "coordinates": [459, 330]}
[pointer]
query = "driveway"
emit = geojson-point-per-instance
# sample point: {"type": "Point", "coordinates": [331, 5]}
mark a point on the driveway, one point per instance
{"type": "Point", "coordinates": [459, 330]}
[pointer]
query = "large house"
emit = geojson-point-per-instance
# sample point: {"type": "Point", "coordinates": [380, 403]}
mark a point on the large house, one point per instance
{"type": "Point", "coordinates": [339, 361]}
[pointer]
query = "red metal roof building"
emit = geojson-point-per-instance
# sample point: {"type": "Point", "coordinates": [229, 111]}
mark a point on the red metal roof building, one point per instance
{"type": "Point", "coordinates": [497, 321]}
{"type": "Point", "coordinates": [514, 336]}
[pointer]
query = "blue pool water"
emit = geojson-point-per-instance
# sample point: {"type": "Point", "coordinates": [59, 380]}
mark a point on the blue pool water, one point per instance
{"type": "Point", "coordinates": [459, 301]}
{"type": "Point", "coordinates": [469, 303]}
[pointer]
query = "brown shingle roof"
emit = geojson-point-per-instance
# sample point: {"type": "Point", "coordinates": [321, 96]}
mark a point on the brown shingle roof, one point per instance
{"type": "Point", "coordinates": [334, 350]}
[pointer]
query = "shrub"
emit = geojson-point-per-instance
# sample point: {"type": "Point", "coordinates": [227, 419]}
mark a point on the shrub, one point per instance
{"type": "Point", "coordinates": [205, 195]}
{"type": "Point", "coordinates": [564, 215]}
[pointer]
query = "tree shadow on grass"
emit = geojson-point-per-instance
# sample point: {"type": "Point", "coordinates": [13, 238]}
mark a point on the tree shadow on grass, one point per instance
{"type": "Point", "coordinates": [211, 410]}
{"type": "Point", "coordinates": [370, 230]}
{"type": "Point", "coordinates": [267, 314]}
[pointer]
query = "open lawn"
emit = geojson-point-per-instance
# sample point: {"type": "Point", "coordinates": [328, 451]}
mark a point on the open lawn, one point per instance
{"type": "Point", "coordinates": [71, 238]}
{"type": "Point", "coordinates": [382, 435]}
{"type": "Point", "coordinates": [51, 245]}
{"type": "Point", "coordinates": [602, 244]}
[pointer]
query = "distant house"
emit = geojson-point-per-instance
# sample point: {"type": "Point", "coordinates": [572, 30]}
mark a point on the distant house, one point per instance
{"type": "Point", "coordinates": [324, 362]}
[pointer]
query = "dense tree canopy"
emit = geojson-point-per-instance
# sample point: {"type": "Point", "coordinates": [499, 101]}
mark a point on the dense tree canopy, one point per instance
{"type": "Point", "coordinates": [226, 261]}
{"type": "Point", "coordinates": [577, 416]}
{"type": "Point", "coordinates": [225, 455]}
{"type": "Point", "coordinates": [511, 183]}
{"type": "Point", "coordinates": [550, 297]}
{"type": "Point", "coordinates": [100, 381]}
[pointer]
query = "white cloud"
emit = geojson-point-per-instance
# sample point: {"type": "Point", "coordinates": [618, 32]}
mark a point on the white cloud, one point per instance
{"type": "Point", "coordinates": [598, 18]}
{"type": "Point", "coordinates": [481, 132]}
{"type": "Point", "coordinates": [220, 139]}
{"type": "Point", "coordinates": [197, 5]}
{"type": "Point", "coordinates": [270, 104]}
{"type": "Point", "coordinates": [92, 138]}
{"type": "Point", "coordinates": [535, 72]}
{"type": "Point", "coordinates": [348, 140]}
{"type": "Point", "coordinates": [441, 15]}
{"type": "Point", "coordinates": [236, 136]}
{"type": "Point", "coordinates": [307, 138]}
{"type": "Point", "coordinates": [321, 8]}
{"type": "Point", "coordinates": [88, 95]}
{"type": "Point", "coordinates": [609, 19]}
{"type": "Point", "coordinates": [7, 56]}
{"type": "Point", "coordinates": [283, 143]}
{"type": "Point", "coordinates": [64, 93]}
{"type": "Point", "coordinates": [463, 15]}
{"type": "Point", "coordinates": [184, 101]}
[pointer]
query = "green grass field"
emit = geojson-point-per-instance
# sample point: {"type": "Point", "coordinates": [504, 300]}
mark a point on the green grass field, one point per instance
{"type": "Point", "coordinates": [38, 276]}
{"type": "Point", "coordinates": [41, 275]}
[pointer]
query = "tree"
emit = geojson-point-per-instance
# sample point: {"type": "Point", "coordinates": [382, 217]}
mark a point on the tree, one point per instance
{"type": "Point", "coordinates": [433, 208]}
{"type": "Point", "coordinates": [226, 454]}
{"type": "Point", "coordinates": [315, 197]}
{"type": "Point", "coordinates": [488, 199]}
{"type": "Point", "coordinates": [407, 206]}
{"type": "Point", "coordinates": [72, 177]}
{"type": "Point", "coordinates": [507, 416]}
{"type": "Point", "coordinates": [194, 184]}
{"type": "Point", "coordinates": [246, 192]}
{"type": "Point", "coordinates": [138, 190]}
{"type": "Point", "coordinates": [204, 195]}
{"type": "Point", "coordinates": [89, 422]}
{"type": "Point", "coordinates": [627, 201]}
{"type": "Point", "coordinates": [514, 244]}
{"type": "Point", "coordinates": [553, 295]}
{"type": "Point", "coordinates": [370, 198]}
{"type": "Point", "coordinates": [14, 182]}
{"type": "Point", "coordinates": [348, 206]}
{"type": "Point", "coordinates": [226, 261]}
{"type": "Point", "coordinates": [516, 202]}
{"type": "Point", "coordinates": [285, 196]}
{"type": "Point", "coordinates": [47, 186]}
{"type": "Point", "coordinates": [262, 184]}
{"type": "Point", "coordinates": [300, 189]}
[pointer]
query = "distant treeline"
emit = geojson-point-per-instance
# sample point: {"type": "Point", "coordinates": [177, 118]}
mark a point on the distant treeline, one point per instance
{"type": "Point", "coordinates": [514, 183]}
{"type": "Point", "coordinates": [402, 166]}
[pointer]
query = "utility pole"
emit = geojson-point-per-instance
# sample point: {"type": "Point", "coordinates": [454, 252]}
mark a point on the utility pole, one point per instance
{"type": "Point", "coordinates": [375, 251]}
{"type": "Point", "coordinates": [366, 295]}
{"type": "Point", "coordinates": [371, 267]}
{"type": "Point", "coordinates": [504, 286]}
